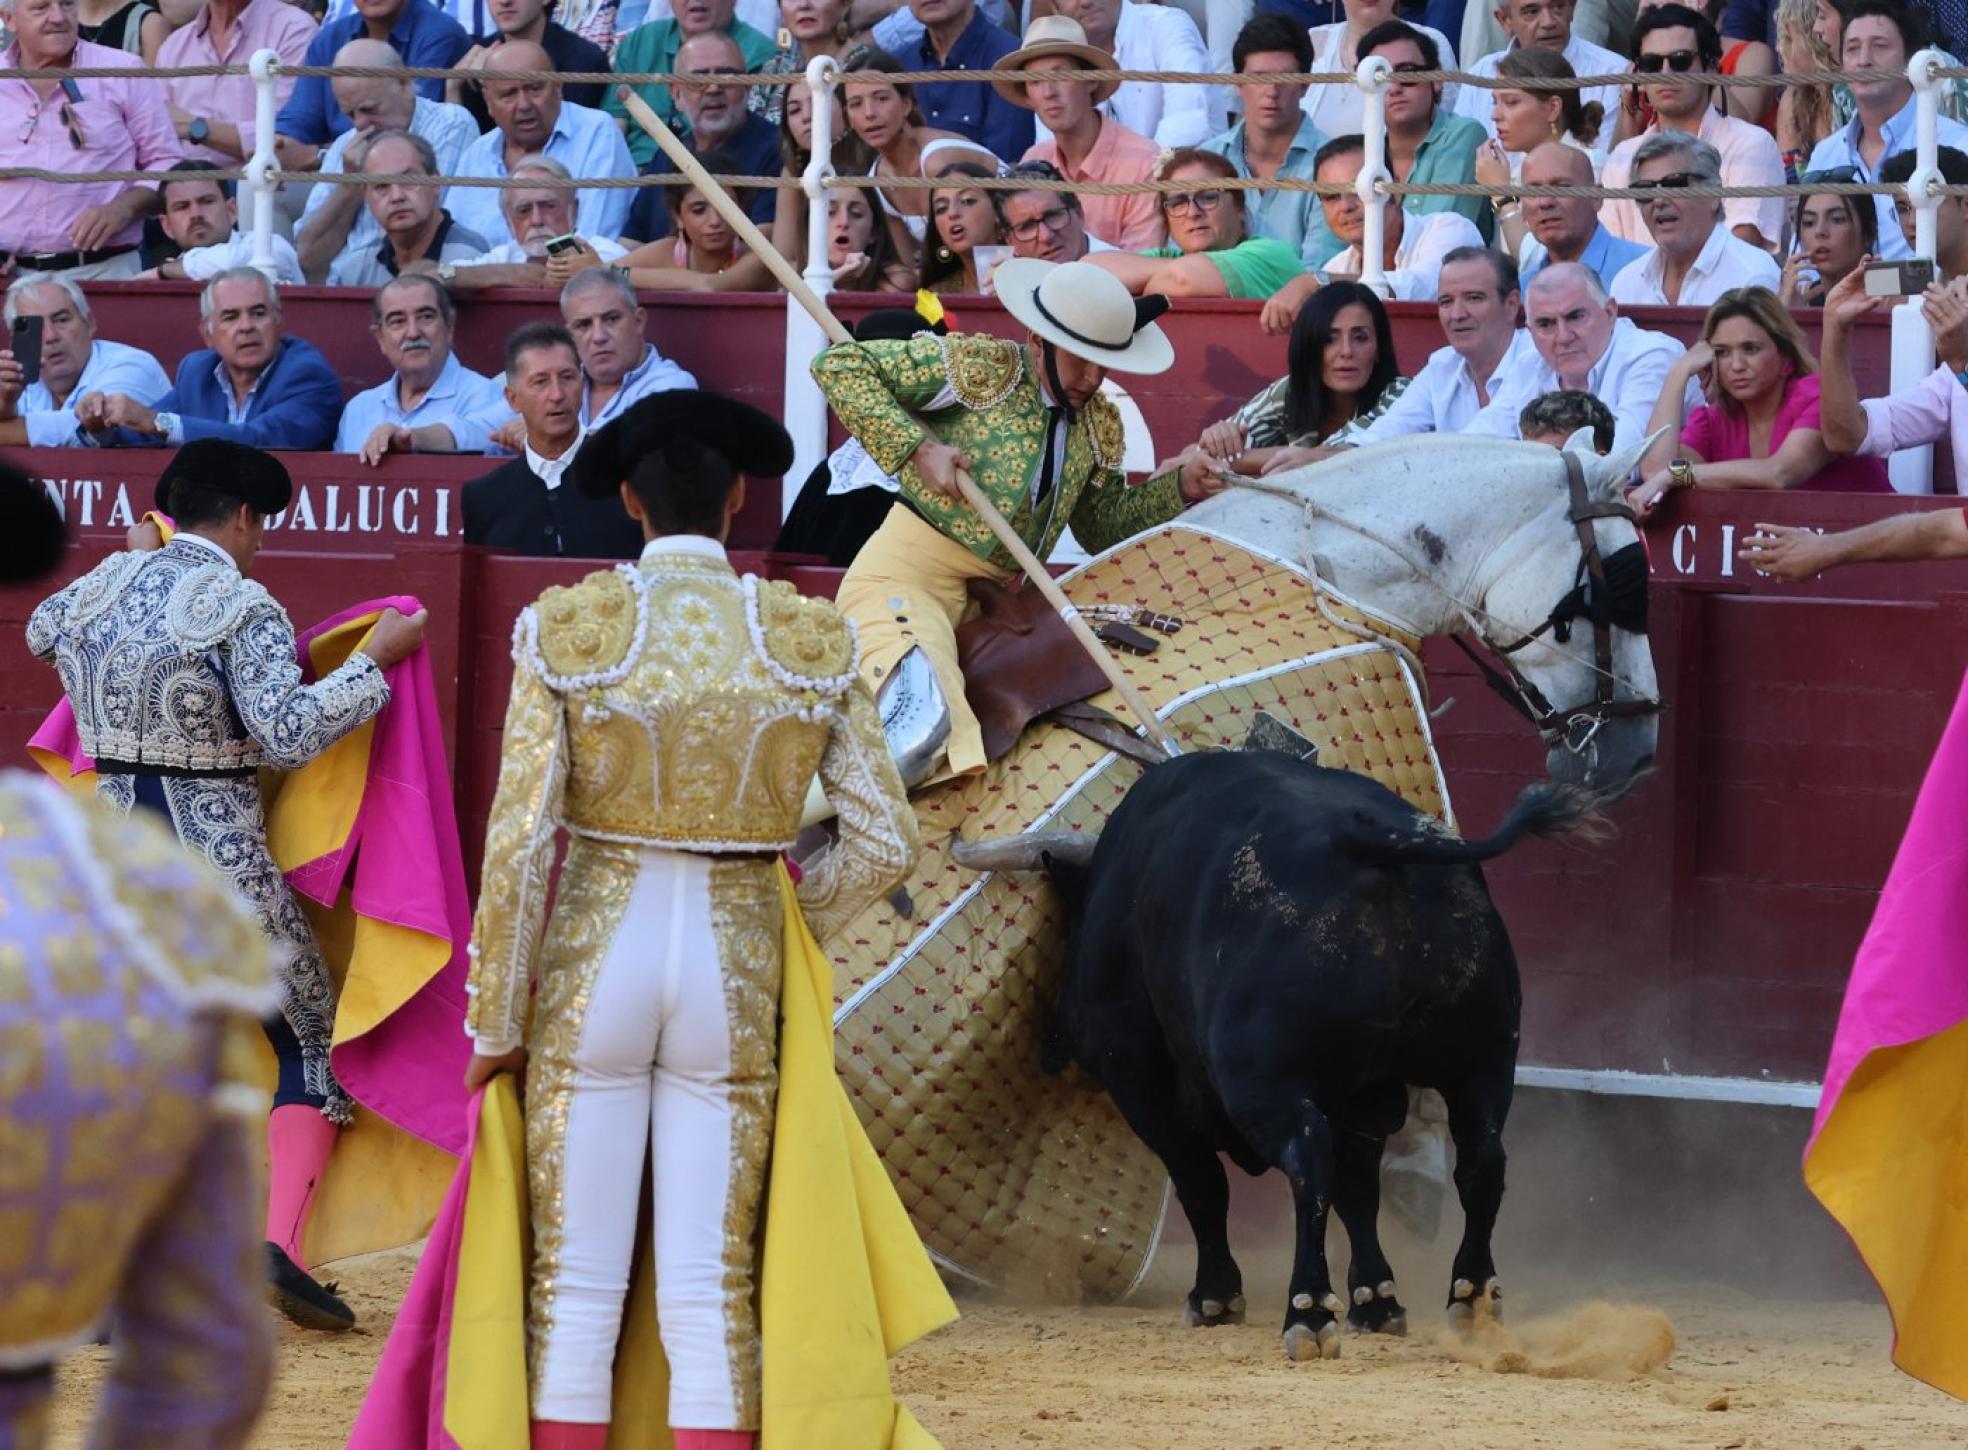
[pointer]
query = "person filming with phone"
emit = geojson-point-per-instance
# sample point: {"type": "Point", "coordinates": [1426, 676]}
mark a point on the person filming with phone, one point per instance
{"type": "Point", "coordinates": [53, 356]}
{"type": "Point", "coordinates": [547, 246]}
{"type": "Point", "coordinates": [1950, 217]}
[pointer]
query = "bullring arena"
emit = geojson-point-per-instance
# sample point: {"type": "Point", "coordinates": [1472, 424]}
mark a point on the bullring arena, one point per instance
{"type": "Point", "coordinates": [1668, 1279]}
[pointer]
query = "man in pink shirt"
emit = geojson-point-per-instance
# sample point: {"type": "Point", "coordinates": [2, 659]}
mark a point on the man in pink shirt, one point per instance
{"type": "Point", "coordinates": [214, 114]}
{"type": "Point", "coordinates": [1085, 145]}
{"type": "Point", "coordinates": [83, 229]}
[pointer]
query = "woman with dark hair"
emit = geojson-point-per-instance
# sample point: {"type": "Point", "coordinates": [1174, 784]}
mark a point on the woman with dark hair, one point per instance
{"type": "Point", "coordinates": [704, 254]}
{"type": "Point", "coordinates": [1760, 427]}
{"type": "Point", "coordinates": [1833, 234]}
{"type": "Point", "coordinates": [884, 115]}
{"type": "Point", "coordinates": [789, 202]}
{"type": "Point", "coordinates": [1342, 371]}
{"type": "Point", "coordinates": [964, 221]}
{"type": "Point", "coordinates": [1525, 120]}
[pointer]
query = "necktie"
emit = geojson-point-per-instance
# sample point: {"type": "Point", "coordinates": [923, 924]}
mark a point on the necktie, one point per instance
{"type": "Point", "coordinates": [1049, 464]}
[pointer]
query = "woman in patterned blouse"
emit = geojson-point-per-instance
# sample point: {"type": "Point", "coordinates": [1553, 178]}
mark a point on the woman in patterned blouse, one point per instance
{"type": "Point", "coordinates": [1342, 371]}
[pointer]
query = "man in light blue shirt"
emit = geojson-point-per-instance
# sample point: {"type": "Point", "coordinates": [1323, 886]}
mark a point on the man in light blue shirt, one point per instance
{"type": "Point", "coordinates": [621, 366]}
{"type": "Point", "coordinates": [530, 117]}
{"type": "Point", "coordinates": [1276, 139]}
{"type": "Point", "coordinates": [1876, 39]}
{"type": "Point", "coordinates": [431, 402]}
{"type": "Point", "coordinates": [74, 361]}
{"type": "Point", "coordinates": [1565, 228]}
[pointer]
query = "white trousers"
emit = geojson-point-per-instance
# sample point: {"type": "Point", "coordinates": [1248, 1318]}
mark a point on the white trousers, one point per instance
{"type": "Point", "coordinates": [676, 1049]}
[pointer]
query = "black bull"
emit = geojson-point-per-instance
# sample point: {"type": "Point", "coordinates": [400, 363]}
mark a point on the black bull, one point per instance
{"type": "Point", "coordinates": [1262, 955]}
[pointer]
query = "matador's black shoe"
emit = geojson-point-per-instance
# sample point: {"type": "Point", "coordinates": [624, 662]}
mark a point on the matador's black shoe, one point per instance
{"type": "Point", "coordinates": [294, 1292]}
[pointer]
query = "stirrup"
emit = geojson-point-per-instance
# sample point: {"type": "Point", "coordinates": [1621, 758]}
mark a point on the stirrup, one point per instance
{"type": "Point", "coordinates": [915, 716]}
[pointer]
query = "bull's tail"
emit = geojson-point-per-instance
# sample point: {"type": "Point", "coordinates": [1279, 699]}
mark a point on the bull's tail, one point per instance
{"type": "Point", "coordinates": [1544, 809]}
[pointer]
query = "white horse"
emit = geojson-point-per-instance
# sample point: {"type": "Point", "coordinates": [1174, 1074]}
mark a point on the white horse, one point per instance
{"type": "Point", "coordinates": [1444, 533]}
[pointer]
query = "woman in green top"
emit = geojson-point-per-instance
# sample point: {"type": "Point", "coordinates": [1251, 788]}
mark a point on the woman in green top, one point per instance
{"type": "Point", "coordinates": [1210, 252]}
{"type": "Point", "coordinates": [1342, 374]}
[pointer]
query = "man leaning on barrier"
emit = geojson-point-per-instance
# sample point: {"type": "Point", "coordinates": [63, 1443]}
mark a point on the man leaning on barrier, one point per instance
{"type": "Point", "coordinates": [431, 402]}
{"type": "Point", "coordinates": [201, 219]}
{"type": "Point", "coordinates": [74, 363]}
{"type": "Point", "coordinates": [536, 216]}
{"type": "Point", "coordinates": [251, 385]}
{"type": "Point", "coordinates": [417, 233]}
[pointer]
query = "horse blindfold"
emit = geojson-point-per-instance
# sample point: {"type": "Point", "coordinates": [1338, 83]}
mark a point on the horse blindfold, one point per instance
{"type": "Point", "coordinates": [1620, 604]}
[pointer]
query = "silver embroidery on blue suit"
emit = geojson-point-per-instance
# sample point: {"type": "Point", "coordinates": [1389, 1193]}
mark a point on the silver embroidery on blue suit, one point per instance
{"type": "Point", "coordinates": [171, 659]}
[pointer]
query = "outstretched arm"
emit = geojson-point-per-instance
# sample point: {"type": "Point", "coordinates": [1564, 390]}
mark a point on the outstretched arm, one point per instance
{"type": "Point", "coordinates": [293, 722]}
{"type": "Point", "coordinates": [1790, 553]}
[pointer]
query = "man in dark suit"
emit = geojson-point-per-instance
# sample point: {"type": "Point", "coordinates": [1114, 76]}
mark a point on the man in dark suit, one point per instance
{"type": "Point", "coordinates": [524, 507]}
{"type": "Point", "coordinates": [251, 385]}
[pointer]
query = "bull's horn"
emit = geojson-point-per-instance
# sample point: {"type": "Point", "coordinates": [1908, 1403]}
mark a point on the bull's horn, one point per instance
{"type": "Point", "coordinates": [1021, 853]}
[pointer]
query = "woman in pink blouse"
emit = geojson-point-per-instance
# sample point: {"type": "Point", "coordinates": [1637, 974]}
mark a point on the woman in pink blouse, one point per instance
{"type": "Point", "coordinates": [1759, 428]}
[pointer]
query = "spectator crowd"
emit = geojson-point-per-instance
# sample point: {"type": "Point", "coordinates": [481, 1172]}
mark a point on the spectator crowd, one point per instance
{"type": "Point", "coordinates": [1531, 292]}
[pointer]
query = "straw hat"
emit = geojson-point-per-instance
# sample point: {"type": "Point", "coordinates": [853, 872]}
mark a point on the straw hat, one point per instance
{"type": "Point", "coordinates": [1055, 35]}
{"type": "Point", "coordinates": [1086, 311]}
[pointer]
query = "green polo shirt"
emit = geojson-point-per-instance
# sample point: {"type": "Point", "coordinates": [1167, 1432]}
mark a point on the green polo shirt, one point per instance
{"type": "Point", "coordinates": [652, 49]}
{"type": "Point", "coordinates": [1293, 217]}
{"type": "Point", "coordinates": [1447, 157]}
{"type": "Point", "coordinates": [1254, 268]}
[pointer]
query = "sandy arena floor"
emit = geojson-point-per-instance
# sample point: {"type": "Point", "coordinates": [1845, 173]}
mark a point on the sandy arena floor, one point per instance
{"type": "Point", "coordinates": [1744, 1374]}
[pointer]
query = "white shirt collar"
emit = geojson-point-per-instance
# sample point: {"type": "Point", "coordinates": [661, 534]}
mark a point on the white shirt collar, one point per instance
{"type": "Point", "coordinates": [701, 546]}
{"type": "Point", "coordinates": [550, 470]}
{"type": "Point", "coordinates": [184, 536]}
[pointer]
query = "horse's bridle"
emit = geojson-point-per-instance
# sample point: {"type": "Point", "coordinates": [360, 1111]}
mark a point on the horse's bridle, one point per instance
{"type": "Point", "coordinates": [1593, 597]}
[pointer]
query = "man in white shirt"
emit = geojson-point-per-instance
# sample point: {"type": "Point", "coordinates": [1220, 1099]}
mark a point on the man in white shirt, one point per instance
{"type": "Point", "coordinates": [536, 216]}
{"type": "Point", "coordinates": [1672, 41]}
{"type": "Point", "coordinates": [334, 219]}
{"type": "Point", "coordinates": [74, 361]}
{"type": "Point", "coordinates": [1150, 38]}
{"type": "Point", "coordinates": [1580, 343]}
{"type": "Point", "coordinates": [530, 118]}
{"type": "Point", "coordinates": [431, 402]}
{"type": "Point", "coordinates": [1413, 246]}
{"type": "Point", "coordinates": [1694, 259]}
{"type": "Point", "coordinates": [201, 214]}
{"type": "Point", "coordinates": [1880, 38]}
{"type": "Point", "coordinates": [1478, 303]}
{"type": "Point", "coordinates": [1543, 25]}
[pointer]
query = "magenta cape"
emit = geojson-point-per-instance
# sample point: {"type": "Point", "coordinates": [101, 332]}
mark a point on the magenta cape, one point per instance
{"type": "Point", "coordinates": [1888, 1154]}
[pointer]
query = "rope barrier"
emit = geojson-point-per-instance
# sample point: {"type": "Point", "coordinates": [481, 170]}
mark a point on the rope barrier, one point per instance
{"type": "Point", "coordinates": [1776, 81]}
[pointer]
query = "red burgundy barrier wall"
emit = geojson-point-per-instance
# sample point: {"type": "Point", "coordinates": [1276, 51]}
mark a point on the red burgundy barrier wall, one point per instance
{"type": "Point", "coordinates": [1711, 936]}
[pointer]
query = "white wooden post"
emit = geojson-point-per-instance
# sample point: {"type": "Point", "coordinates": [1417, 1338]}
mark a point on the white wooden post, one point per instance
{"type": "Point", "coordinates": [260, 168]}
{"type": "Point", "coordinates": [1372, 76]}
{"type": "Point", "coordinates": [806, 409]}
{"type": "Point", "coordinates": [1912, 469]}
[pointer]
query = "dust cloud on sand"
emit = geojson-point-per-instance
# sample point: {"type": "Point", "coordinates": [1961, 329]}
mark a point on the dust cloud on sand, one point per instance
{"type": "Point", "coordinates": [1596, 1341]}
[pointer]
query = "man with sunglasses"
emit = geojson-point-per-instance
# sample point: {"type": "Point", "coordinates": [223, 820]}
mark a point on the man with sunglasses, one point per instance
{"type": "Point", "coordinates": [1880, 36]}
{"type": "Point", "coordinates": [1672, 44]}
{"type": "Point", "coordinates": [1426, 142]}
{"type": "Point", "coordinates": [81, 229]}
{"type": "Point", "coordinates": [1694, 259]}
{"type": "Point", "coordinates": [1048, 225]}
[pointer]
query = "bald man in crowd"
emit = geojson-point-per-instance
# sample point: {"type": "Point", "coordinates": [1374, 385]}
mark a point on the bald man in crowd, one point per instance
{"type": "Point", "coordinates": [531, 117]}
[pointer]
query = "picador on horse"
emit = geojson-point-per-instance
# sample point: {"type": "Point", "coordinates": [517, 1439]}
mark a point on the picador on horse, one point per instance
{"type": "Point", "coordinates": [1256, 950]}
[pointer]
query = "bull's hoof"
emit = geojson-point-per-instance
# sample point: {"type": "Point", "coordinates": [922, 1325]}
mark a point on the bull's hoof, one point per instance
{"type": "Point", "coordinates": [1377, 1311]}
{"type": "Point", "coordinates": [1304, 1343]}
{"type": "Point", "coordinates": [1468, 1305]}
{"type": "Point", "coordinates": [1201, 1313]}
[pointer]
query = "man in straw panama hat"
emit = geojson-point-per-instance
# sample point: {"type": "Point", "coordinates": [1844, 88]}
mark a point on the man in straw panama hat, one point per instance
{"type": "Point", "coordinates": [1029, 423]}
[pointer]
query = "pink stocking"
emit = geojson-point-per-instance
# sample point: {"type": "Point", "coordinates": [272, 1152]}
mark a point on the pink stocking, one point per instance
{"type": "Point", "coordinates": [715, 1439]}
{"type": "Point", "coordinates": [566, 1435]}
{"type": "Point", "coordinates": [299, 1141]}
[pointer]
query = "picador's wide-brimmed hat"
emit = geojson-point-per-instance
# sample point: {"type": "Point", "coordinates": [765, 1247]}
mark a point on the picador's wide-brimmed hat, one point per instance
{"type": "Point", "coordinates": [1055, 35]}
{"type": "Point", "coordinates": [31, 543]}
{"type": "Point", "coordinates": [252, 475]}
{"type": "Point", "coordinates": [1087, 311]}
{"type": "Point", "coordinates": [681, 425]}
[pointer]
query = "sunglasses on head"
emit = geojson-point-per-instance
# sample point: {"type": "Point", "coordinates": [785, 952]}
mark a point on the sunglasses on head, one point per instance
{"type": "Point", "coordinates": [1653, 62]}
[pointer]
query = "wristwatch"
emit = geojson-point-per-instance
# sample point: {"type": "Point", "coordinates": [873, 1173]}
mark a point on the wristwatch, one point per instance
{"type": "Point", "coordinates": [166, 424]}
{"type": "Point", "coordinates": [447, 272]}
{"type": "Point", "coordinates": [1681, 473]}
{"type": "Point", "coordinates": [198, 130]}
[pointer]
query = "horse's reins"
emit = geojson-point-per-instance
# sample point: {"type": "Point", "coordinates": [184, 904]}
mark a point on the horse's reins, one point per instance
{"type": "Point", "coordinates": [1592, 596]}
